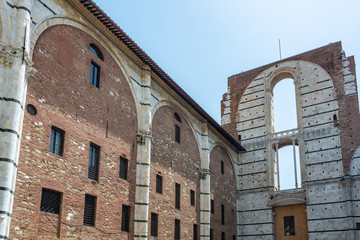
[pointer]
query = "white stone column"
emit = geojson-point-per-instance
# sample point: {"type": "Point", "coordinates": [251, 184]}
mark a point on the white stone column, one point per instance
{"type": "Point", "coordinates": [205, 185]}
{"type": "Point", "coordinates": [14, 66]}
{"type": "Point", "coordinates": [141, 215]}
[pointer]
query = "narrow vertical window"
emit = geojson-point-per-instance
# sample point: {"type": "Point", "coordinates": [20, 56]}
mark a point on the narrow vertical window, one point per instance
{"type": "Point", "coordinates": [177, 195]}
{"type": "Point", "coordinates": [222, 235]}
{"type": "Point", "coordinates": [195, 237]}
{"type": "Point", "coordinates": [211, 234]}
{"type": "Point", "coordinates": [159, 183]}
{"type": "Point", "coordinates": [222, 167]}
{"type": "Point", "coordinates": [192, 198]}
{"type": "Point", "coordinates": [177, 229]}
{"type": "Point", "coordinates": [89, 210]}
{"type": "Point", "coordinates": [94, 156]}
{"type": "Point", "coordinates": [222, 214]}
{"type": "Point", "coordinates": [125, 218]}
{"type": "Point", "coordinates": [50, 201]}
{"type": "Point", "coordinates": [212, 206]}
{"type": "Point", "coordinates": [123, 172]}
{"type": "Point", "coordinates": [57, 141]}
{"type": "Point", "coordinates": [95, 74]}
{"type": "Point", "coordinates": [289, 226]}
{"type": "Point", "coordinates": [154, 224]}
{"type": "Point", "coordinates": [233, 237]}
{"type": "Point", "coordinates": [177, 133]}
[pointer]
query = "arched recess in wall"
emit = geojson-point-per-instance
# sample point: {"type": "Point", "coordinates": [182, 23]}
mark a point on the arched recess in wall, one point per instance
{"type": "Point", "coordinates": [174, 173]}
{"type": "Point", "coordinates": [223, 193]}
{"type": "Point", "coordinates": [110, 107]}
{"type": "Point", "coordinates": [51, 21]}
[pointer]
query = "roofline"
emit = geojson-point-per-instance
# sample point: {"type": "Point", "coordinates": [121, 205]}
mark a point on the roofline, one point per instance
{"type": "Point", "coordinates": [133, 47]}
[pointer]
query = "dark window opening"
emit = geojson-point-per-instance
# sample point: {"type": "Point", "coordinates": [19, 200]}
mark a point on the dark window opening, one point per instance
{"type": "Point", "coordinates": [177, 195]}
{"type": "Point", "coordinates": [222, 214]}
{"type": "Point", "coordinates": [94, 156]}
{"type": "Point", "coordinates": [212, 206]}
{"type": "Point", "coordinates": [289, 226]}
{"type": "Point", "coordinates": [211, 234]}
{"type": "Point", "coordinates": [222, 235]}
{"type": "Point", "coordinates": [123, 172]}
{"type": "Point", "coordinates": [233, 237]}
{"type": "Point", "coordinates": [159, 183]}
{"type": "Point", "coordinates": [239, 137]}
{"type": "Point", "coordinates": [195, 237]}
{"type": "Point", "coordinates": [89, 210]}
{"type": "Point", "coordinates": [31, 109]}
{"type": "Point", "coordinates": [177, 229]}
{"type": "Point", "coordinates": [358, 226]}
{"type": "Point", "coordinates": [177, 133]}
{"type": "Point", "coordinates": [154, 224]}
{"type": "Point", "coordinates": [96, 51]}
{"type": "Point", "coordinates": [50, 201]}
{"type": "Point", "coordinates": [222, 167]}
{"type": "Point", "coordinates": [57, 141]}
{"type": "Point", "coordinates": [336, 121]}
{"type": "Point", "coordinates": [177, 117]}
{"type": "Point", "coordinates": [95, 74]}
{"type": "Point", "coordinates": [192, 198]}
{"type": "Point", "coordinates": [125, 218]}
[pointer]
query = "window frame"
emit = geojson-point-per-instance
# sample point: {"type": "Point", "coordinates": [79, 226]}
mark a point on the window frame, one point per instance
{"type": "Point", "coordinates": [55, 134]}
{"type": "Point", "coordinates": [95, 80]}
{"type": "Point", "coordinates": [192, 197]}
{"type": "Point", "coordinates": [123, 168]}
{"type": "Point", "coordinates": [289, 220]}
{"type": "Point", "coordinates": [177, 229]}
{"type": "Point", "coordinates": [92, 216]}
{"type": "Point", "coordinates": [177, 133]}
{"type": "Point", "coordinates": [159, 184]}
{"type": "Point", "coordinates": [154, 225]}
{"type": "Point", "coordinates": [177, 196]}
{"type": "Point", "coordinates": [96, 161]}
{"type": "Point", "coordinates": [125, 218]}
{"type": "Point", "coordinates": [42, 201]}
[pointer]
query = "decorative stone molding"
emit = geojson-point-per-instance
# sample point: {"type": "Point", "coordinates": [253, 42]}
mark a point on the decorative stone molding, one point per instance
{"type": "Point", "coordinates": [203, 173]}
{"type": "Point", "coordinates": [142, 135]}
{"type": "Point", "coordinates": [287, 197]}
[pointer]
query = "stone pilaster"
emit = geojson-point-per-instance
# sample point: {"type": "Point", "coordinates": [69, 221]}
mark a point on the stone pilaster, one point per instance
{"type": "Point", "coordinates": [205, 185]}
{"type": "Point", "coordinates": [143, 159]}
{"type": "Point", "coordinates": [14, 66]}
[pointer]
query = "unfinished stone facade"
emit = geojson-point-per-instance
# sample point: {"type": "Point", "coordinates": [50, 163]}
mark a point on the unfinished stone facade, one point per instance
{"type": "Point", "coordinates": [326, 134]}
{"type": "Point", "coordinates": [182, 168]}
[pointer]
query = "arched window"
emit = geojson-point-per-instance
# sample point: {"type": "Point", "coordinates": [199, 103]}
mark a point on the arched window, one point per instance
{"type": "Point", "coordinates": [177, 117]}
{"type": "Point", "coordinates": [96, 51]}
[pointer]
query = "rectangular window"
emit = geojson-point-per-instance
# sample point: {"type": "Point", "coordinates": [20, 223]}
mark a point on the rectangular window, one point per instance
{"type": "Point", "coordinates": [154, 224]}
{"type": "Point", "coordinates": [222, 235]}
{"type": "Point", "coordinates": [50, 201]}
{"type": "Point", "coordinates": [94, 156]}
{"type": "Point", "coordinates": [159, 183]}
{"type": "Point", "coordinates": [177, 133]}
{"type": "Point", "coordinates": [177, 229]}
{"type": "Point", "coordinates": [233, 237]}
{"type": "Point", "coordinates": [222, 214]}
{"type": "Point", "coordinates": [95, 74]}
{"type": "Point", "coordinates": [212, 205]}
{"type": "Point", "coordinates": [192, 198]}
{"type": "Point", "coordinates": [57, 141]}
{"type": "Point", "coordinates": [195, 237]}
{"type": "Point", "coordinates": [125, 218]}
{"type": "Point", "coordinates": [89, 210]}
{"type": "Point", "coordinates": [211, 234]}
{"type": "Point", "coordinates": [177, 195]}
{"type": "Point", "coordinates": [123, 172]}
{"type": "Point", "coordinates": [222, 167]}
{"type": "Point", "coordinates": [289, 226]}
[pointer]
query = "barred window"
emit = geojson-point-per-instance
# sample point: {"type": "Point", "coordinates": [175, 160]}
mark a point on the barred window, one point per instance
{"type": "Point", "coordinates": [125, 218]}
{"type": "Point", "coordinates": [289, 226]}
{"type": "Point", "coordinates": [123, 168]}
{"type": "Point", "coordinates": [57, 141]}
{"type": "Point", "coordinates": [159, 183]}
{"type": "Point", "coordinates": [195, 237]}
{"type": "Point", "coordinates": [50, 201]}
{"type": "Point", "coordinates": [177, 133]}
{"type": "Point", "coordinates": [222, 214]}
{"type": "Point", "coordinates": [177, 229]}
{"type": "Point", "coordinates": [154, 224]}
{"type": "Point", "coordinates": [212, 205]}
{"type": "Point", "coordinates": [94, 156]}
{"type": "Point", "coordinates": [192, 197]}
{"type": "Point", "coordinates": [95, 74]}
{"type": "Point", "coordinates": [89, 210]}
{"type": "Point", "coordinates": [177, 195]}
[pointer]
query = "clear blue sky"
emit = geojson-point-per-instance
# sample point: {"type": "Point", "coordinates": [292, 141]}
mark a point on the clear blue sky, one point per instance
{"type": "Point", "coordinates": [200, 43]}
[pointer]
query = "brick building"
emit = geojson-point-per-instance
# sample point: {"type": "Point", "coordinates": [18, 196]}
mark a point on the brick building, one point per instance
{"type": "Point", "coordinates": [98, 142]}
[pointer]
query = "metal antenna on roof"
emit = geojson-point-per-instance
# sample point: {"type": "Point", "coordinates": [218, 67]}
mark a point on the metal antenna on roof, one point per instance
{"type": "Point", "coordinates": [280, 49]}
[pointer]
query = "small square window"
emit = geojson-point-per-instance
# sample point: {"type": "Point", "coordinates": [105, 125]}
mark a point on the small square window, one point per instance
{"type": "Point", "coordinates": [123, 172]}
{"type": "Point", "coordinates": [154, 224]}
{"type": "Point", "coordinates": [177, 133]}
{"type": "Point", "coordinates": [57, 141]}
{"type": "Point", "coordinates": [95, 74]}
{"type": "Point", "coordinates": [50, 201]}
{"type": "Point", "coordinates": [192, 198]}
{"type": "Point", "coordinates": [159, 183]}
{"type": "Point", "coordinates": [89, 210]}
{"type": "Point", "coordinates": [289, 226]}
{"type": "Point", "coordinates": [125, 218]}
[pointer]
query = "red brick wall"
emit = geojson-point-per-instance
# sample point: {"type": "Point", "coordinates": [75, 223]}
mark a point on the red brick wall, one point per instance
{"type": "Point", "coordinates": [64, 98]}
{"type": "Point", "coordinates": [328, 57]}
{"type": "Point", "coordinates": [223, 192]}
{"type": "Point", "coordinates": [176, 163]}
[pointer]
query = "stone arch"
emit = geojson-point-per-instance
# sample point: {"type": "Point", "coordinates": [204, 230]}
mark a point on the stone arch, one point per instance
{"type": "Point", "coordinates": [51, 21]}
{"type": "Point", "coordinates": [227, 150]}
